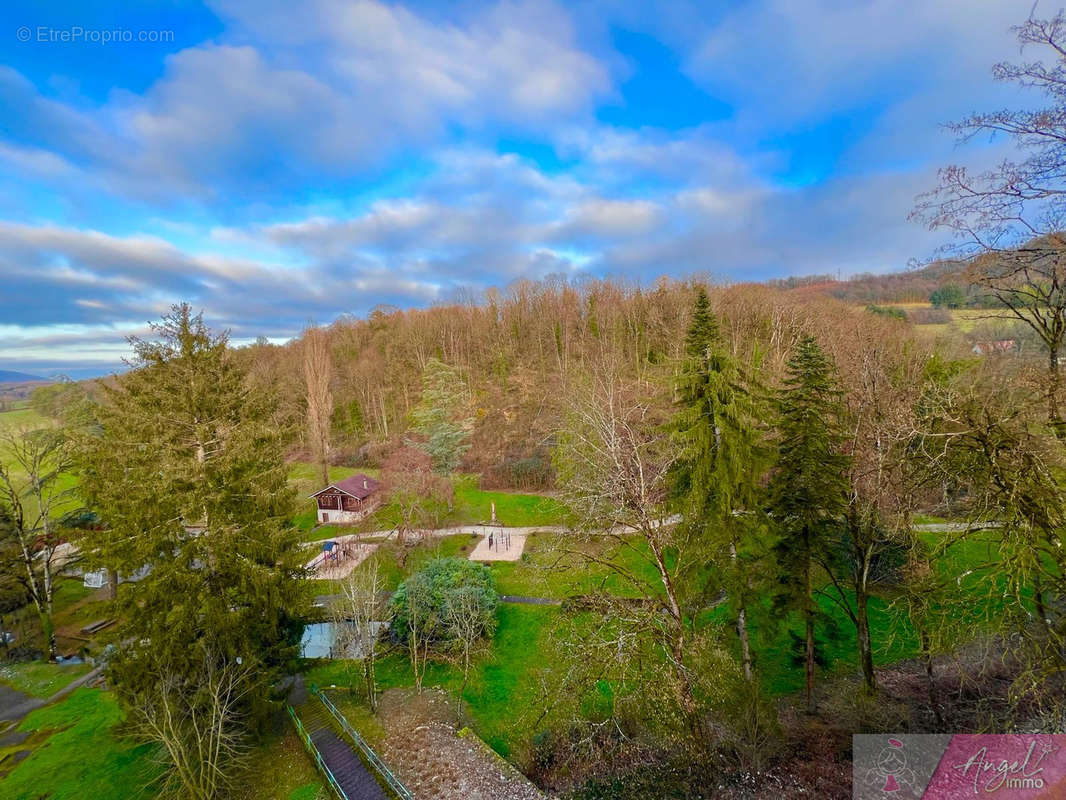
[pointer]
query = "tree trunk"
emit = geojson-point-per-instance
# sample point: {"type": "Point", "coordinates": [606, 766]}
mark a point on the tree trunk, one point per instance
{"type": "Point", "coordinates": [745, 645]}
{"type": "Point", "coordinates": [930, 683]}
{"type": "Point", "coordinates": [371, 687]}
{"type": "Point", "coordinates": [462, 689]}
{"type": "Point", "coordinates": [112, 584]}
{"type": "Point", "coordinates": [1038, 601]}
{"type": "Point", "coordinates": [809, 613]}
{"type": "Point", "coordinates": [862, 624]}
{"type": "Point", "coordinates": [1054, 387]}
{"type": "Point", "coordinates": [49, 632]}
{"type": "Point", "coordinates": [688, 702]}
{"type": "Point", "coordinates": [742, 624]}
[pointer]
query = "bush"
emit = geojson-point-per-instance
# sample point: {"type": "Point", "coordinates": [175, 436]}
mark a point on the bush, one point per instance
{"type": "Point", "coordinates": [949, 296]}
{"type": "Point", "coordinates": [534, 472]}
{"type": "Point", "coordinates": [438, 584]}
{"type": "Point", "coordinates": [888, 311]}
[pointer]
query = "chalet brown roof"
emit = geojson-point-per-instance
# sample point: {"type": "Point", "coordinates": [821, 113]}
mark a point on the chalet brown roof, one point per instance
{"type": "Point", "coordinates": [361, 486]}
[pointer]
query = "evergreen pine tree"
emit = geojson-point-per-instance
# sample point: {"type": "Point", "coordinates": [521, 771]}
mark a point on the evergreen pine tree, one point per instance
{"type": "Point", "coordinates": [808, 490]}
{"type": "Point", "coordinates": [716, 476]}
{"type": "Point", "coordinates": [186, 471]}
{"type": "Point", "coordinates": [439, 416]}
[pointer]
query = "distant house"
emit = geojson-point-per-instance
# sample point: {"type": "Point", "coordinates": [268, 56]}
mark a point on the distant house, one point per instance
{"type": "Point", "coordinates": [988, 348]}
{"type": "Point", "coordinates": [349, 500]}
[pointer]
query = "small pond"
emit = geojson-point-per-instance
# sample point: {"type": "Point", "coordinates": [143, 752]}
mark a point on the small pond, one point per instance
{"type": "Point", "coordinates": [332, 640]}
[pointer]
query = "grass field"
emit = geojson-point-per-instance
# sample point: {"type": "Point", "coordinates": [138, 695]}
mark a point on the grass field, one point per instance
{"type": "Point", "coordinates": [506, 686]}
{"type": "Point", "coordinates": [29, 418]}
{"type": "Point", "coordinates": [77, 753]}
{"type": "Point", "coordinates": [38, 678]}
{"type": "Point", "coordinates": [502, 695]}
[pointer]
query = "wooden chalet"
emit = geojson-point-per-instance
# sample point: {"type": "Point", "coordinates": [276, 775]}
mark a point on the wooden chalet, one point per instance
{"type": "Point", "coordinates": [349, 500]}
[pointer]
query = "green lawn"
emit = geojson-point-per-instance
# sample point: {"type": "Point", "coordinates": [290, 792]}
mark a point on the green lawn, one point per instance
{"type": "Point", "coordinates": [473, 505]}
{"type": "Point", "coordinates": [39, 678]}
{"type": "Point", "coordinates": [77, 753]}
{"type": "Point", "coordinates": [502, 696]}
{"type": "Point", "coordinates": [280, 769]}
{"type": "Point", "coordinates": [543, 571]}
{"type": "Point", "coordinates": [29, 418]}
{"type": "Point", "coordinates": [893, 635]}
{"type": "Point", "coordinates": [20, 417]}
{"type": "Point", "coordinates": [548, 568]}
{"type": "Point", "coordinates": [504, 692]}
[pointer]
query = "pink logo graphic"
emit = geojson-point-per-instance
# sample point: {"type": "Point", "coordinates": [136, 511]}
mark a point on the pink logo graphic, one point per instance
{"type": "Point", "coordinates": [1006, 767]}
{"type": "Point", "coordinates": [891, 772]}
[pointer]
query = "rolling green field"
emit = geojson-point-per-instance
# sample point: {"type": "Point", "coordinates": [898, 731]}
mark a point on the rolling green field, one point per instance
{"type": "Point", "coordinates": [29, 418]}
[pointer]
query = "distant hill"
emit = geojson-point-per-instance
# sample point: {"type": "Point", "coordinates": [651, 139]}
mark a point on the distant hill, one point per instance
{"type": "Point", "coordinates": [908, 286]}
{"type": "Point", "coordinates": [9, 376]}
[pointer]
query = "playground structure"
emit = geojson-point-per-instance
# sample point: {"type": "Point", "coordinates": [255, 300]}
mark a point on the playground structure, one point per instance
{"type": "Point", "coordinates": [338, 557]}
{"type": "Point", "coordinates": [501, 544]}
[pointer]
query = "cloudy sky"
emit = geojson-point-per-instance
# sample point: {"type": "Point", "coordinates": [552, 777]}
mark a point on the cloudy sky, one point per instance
{"type": "Point", "coordinates": [276, 162]}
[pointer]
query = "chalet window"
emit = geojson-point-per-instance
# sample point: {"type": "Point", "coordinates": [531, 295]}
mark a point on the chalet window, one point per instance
{"type": "Point", "coordinates": [328, 501]}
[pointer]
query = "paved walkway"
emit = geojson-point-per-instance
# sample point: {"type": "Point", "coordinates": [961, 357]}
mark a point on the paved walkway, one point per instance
{"type": "Point", "coordinates": [20, 709]}
{"type": "Point", "coordinates": [954, 527]}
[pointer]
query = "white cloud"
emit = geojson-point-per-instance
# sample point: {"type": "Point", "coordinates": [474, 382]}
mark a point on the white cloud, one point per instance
{"type": "Point", "coordinates": [290, 95]}
{"type": "Point", "coordinates": [793, 59]}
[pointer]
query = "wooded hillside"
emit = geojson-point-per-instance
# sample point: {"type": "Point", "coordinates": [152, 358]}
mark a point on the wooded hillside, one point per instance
{"type": "Point", "coordinates": [515, 349]}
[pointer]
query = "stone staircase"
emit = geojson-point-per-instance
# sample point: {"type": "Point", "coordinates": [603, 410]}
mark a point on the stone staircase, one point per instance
{"type": "Point", "coordinates": [349, 771]}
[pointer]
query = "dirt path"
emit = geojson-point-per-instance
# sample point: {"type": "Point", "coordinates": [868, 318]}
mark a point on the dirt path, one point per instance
{"type": "Point", "coordinates": [431, 758]}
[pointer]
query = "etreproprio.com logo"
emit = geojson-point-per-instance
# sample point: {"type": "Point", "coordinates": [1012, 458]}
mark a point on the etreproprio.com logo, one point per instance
{"type": "Point", "coordinates": [76, 34]}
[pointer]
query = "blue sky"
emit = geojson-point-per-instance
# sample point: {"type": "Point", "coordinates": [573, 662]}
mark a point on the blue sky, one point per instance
{"type": "Point", "coordinates": [275, 163]}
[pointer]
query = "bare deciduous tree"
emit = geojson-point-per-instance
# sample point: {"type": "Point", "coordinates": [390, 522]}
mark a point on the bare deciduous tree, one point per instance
{"type": "Point", "coordinates": [1009, 219]}
{"type": "Point", "coordinates": [613, 459]}
{"type": "Point", "coordinates": [318, 372]}
{"type": "Point", "coordinates": [31, 490]}
{"type": "Point", "coordinates": [358, 615]}
{"type": "Point", "coordinates": [198, 726]}
{"type": "Point", "coordinates": [464, 619]}
{"type": "Point", "coordinates": [420, 495]}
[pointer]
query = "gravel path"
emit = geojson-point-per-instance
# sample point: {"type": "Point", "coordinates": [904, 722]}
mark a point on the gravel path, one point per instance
{"type": "Point", "coordinates": [437, 762]}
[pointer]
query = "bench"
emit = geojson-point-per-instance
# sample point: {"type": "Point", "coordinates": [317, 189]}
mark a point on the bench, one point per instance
{"type": "Point", "coordinates": [99, 625]}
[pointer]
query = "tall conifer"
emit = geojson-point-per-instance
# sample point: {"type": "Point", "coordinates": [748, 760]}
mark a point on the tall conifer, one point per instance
{"type": "Point", "coordinates": [808, 490]}
{"type": "Point", "coordinates": [715, 478]}
{"type": "Point", "coordinates": [187, 472]}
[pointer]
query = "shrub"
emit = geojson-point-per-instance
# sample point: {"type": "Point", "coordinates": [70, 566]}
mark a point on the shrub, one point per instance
{"type": "Point", "coordinates": [949, 296]}
{"type": "Point", "coordinates": [439, 583]}
{"type": "Point", "coordinates": [887, 311]}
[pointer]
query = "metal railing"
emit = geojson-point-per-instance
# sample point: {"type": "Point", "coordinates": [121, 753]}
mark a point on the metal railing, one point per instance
{"type": "Point", "coordinates": [317, 756]}
{"type": "Point", "coordinates": [372, 757]}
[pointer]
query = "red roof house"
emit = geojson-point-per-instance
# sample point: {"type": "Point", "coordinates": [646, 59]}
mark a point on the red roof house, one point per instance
{"type": "Point", "coordinates": [348, 500]}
